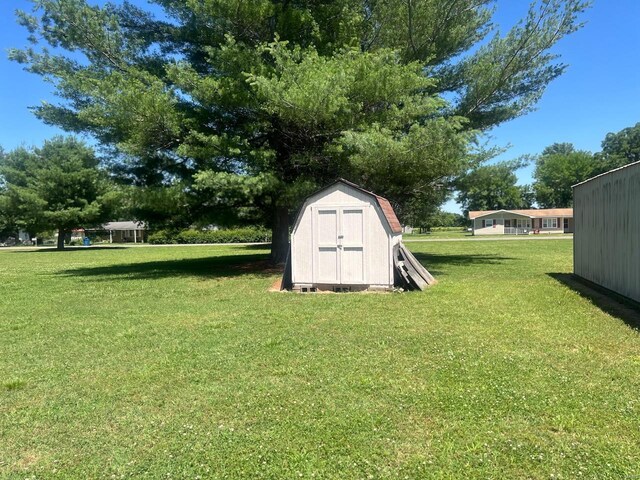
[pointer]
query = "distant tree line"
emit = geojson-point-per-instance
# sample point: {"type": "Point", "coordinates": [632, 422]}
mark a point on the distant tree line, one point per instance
{"type": "Point", "coordinates": [439, 218]}
{"type": "Point", "coordinates": [557, 169]}
{"type": "Point", "coordinates": [63, 185]}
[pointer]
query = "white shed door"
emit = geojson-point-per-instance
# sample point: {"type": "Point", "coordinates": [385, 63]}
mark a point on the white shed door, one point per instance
{"type": "Point", "coordinates": [328, 270]}
{"type": "Point", "coordinates": [352, 243]}
{"type": "Point", "coordinates": [340, 245]}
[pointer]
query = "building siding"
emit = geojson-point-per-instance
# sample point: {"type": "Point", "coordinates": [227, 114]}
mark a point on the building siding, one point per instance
{"type": "Point", "coordinates": [607, 230]}
{"type": "Point", "coordinates": [496, 229]}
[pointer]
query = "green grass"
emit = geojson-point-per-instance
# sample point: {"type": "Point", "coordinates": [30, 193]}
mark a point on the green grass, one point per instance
{"type": "Point", "coordinates": [175, 362]}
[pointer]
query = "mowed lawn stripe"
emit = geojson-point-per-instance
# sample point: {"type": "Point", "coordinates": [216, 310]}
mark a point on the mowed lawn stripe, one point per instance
{"type": "Point", "coordinates": [177, 362]}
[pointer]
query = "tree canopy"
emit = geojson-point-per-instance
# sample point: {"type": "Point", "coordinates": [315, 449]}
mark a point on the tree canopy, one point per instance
{"type": "Point", "coordinates": [563, 148]}
{"type": "Point", "coordinates": [621, 148]}
{"type": "Point", "coordinates": [441, 218]}
{"type": "Point", "coordinates": [557, 170]}
{"type": "Point", "coordinates": [56, 187]}
{"type": "Point", "coordinates": [493, 187]}
{"type": "Point", "coordinates": [7, 224]}
{"type": "Point", "coordinates": [288, 95]}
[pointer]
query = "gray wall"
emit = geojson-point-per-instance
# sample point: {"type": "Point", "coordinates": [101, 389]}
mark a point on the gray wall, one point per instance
{"type": "Point", "coordinates": [606, 210]}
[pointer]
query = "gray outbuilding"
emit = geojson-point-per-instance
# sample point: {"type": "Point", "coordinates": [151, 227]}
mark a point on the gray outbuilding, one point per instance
{"type": "Point", "coordinates": [606, 241]}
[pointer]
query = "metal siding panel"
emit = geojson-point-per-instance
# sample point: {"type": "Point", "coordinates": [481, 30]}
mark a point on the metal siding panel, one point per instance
{"type": "Point", "coordinates": [607, 231]}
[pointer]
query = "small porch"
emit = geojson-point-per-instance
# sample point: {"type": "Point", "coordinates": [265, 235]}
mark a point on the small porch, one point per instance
{"type": "Point", "coordinates": [516, 230]}
{"type": "Point", "coordinates": [123, 232]}
{"type": "Point", "coordinates": [518, 225]}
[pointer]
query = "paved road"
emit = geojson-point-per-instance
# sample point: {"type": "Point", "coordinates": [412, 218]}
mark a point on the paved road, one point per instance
{"type": "Point", "coordinates": [491, 238]}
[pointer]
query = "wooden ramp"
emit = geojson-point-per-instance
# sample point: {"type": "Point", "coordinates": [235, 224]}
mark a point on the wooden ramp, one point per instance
{"type": "Point", "coordinates": [409, 272]}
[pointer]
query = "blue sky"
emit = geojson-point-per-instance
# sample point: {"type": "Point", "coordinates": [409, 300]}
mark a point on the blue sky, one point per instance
{"type": "Point", "coordinates": [599, 93]}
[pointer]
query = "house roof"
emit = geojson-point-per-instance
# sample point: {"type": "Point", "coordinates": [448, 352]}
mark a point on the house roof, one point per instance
{"type": "Point", "coordinates": [131, 225]}
{"type": "Point", "coordinates": [531, 213]}
{"type": "Point", "coordinates": [383, 203]}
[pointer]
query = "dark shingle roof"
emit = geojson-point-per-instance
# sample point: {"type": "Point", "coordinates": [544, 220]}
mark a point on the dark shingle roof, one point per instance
{"type": "Point", "coordinates": [533, 213]}
{"type": "Point", "coordinates": [132, 225]}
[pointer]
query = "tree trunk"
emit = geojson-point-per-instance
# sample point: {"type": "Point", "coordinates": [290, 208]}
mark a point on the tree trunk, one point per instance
{"type": "Point", "coordinates": [280, 236]}
{"type": "Point", "coordinates": [61, 235]}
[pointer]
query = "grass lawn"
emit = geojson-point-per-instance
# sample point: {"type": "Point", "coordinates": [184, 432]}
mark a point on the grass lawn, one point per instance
{"type": "Point", "coordinates": [175, 362]}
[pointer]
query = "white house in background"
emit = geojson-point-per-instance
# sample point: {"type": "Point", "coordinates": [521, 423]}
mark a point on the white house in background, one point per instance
{"type": "Point", "coordinates": [522, 222]}
{"type": "Point", "coordinates": [344, 239]}
{"type": "Point", "coordinates": [23, 236]}
{"type": "Point", "coordinates": [125, 232]}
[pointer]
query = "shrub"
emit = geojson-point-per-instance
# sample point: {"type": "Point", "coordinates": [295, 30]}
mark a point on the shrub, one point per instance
{"type": "Point", "coordinates": [162, 237]}
{"type": "Point", "coordinates": [448, 229]}
{"type": "Point", "coordinates": [234, 235]}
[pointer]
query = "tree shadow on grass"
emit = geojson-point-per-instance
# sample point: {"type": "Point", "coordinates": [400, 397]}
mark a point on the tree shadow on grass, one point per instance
{"type": "Point", "coordinates": [256, 246]}
{"type": "Point", "coordinates": [66, 249]}
{"type": "Point", "coordinates": [206, 268]}
{"type": "Point", "coordinates": [609, 302]}
{"type": "Point", "coordinates": [251, 264]}
{"type": "Point", "coordinates": [438, 264]}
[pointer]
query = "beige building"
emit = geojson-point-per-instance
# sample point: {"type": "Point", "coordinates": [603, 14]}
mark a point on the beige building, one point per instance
{"type": "Point", "coordinates": [125, 232]}
{"type": "Point", "coordinates": [522, 222]}
{"type": "Point", "coordinates": [344, 237]}
{"type": "Point", "coordinates": [606, 243]}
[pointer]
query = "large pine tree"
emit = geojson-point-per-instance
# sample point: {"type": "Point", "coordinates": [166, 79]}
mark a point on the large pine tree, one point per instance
{"type": "Point", "coordinates": [254, 103]}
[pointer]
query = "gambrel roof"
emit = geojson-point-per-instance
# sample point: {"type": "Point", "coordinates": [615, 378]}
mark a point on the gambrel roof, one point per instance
{"type": "Point", "coordinates": [383, 203]}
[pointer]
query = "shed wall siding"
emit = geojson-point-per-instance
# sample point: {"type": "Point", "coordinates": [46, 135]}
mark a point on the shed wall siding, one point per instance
{"type": "Point", "coordinates": [302, 249]}
{"type": "Point", "coordinates": [340, 194]}
{"type": "Point", "coordinates": [377, 235]}
{"type": "Point", "coordinates": [607, 231]}
{"type": "Point", "coordinates": [379, 253]}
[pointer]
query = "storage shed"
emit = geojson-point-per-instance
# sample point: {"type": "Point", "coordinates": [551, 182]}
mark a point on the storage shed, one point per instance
{"type": "Point", "coordinates": [607, 230]}
{"type": "Point", "coordinates": [345, 238]}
